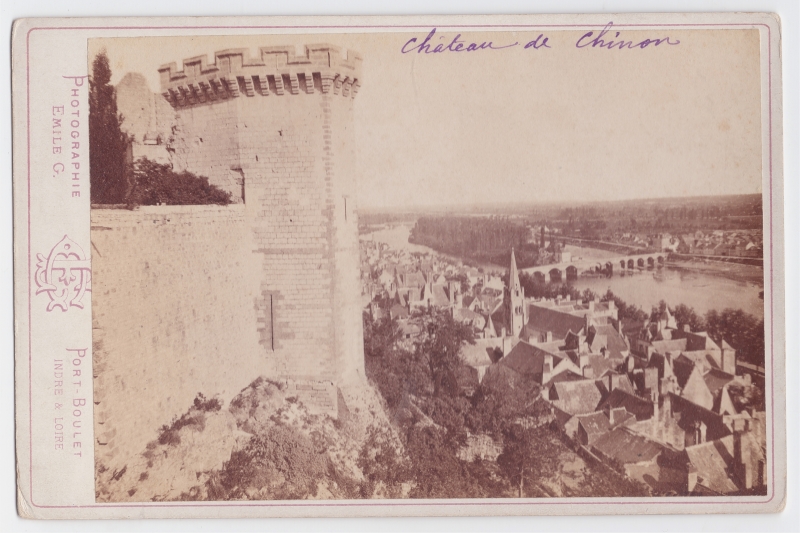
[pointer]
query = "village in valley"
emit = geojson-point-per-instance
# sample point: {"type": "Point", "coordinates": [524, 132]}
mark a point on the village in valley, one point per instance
{"type": "Point", "coordinates": [651, 398]}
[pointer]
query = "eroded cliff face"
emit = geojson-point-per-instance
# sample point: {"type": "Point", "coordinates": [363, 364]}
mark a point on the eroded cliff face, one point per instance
{"type": "Point", "coordinates": [263, 445]}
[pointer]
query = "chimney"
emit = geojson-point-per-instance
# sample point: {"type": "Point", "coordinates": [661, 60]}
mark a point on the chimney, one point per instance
{"type": "Point", "coordinates": [548, 336]}
{"type": "Point", "coordinates": [588, 372]}
{"type": "Point", "coordinates": [583, 360]}
{"type": "Point", "coordinates": [691, 481]}
{"type": "Point", "coordinates": [631, 363]}
{"type": "Point", "coordinates": [702, 429]}
{"type": "Point", "coordinates": [591, 306]}
{"type": "Point", "coordinates": [656, 418]}
{"type": "Point", "coordinates": [651, 379]}
{"type": "Point", "coordinates": [666, 407]}
{"type": "Point", "coordinates": [743, 467]}
{"type": "Point", "coordinates": [547, 368]}
{"type": "Point", "coordinates": [586, 323]}
{"type": "Point", "coordinates": [650, 351]}
{"type": "Point", "coordinates": [503, 331]}
{"type": "Point", "coordinates": [506, 346]}
{"type": "Point", "coordinates": [611, 305]}
{"type": "Point", "coordinates": [728, 360]}
{"type": "Point", "coordinates": [686, 328]}
{"type": "Point", "coordinates": [613, 381]}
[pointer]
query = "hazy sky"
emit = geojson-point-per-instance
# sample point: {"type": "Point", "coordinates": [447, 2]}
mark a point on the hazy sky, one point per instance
{"type": "Point", "coordinates": [518, 125]}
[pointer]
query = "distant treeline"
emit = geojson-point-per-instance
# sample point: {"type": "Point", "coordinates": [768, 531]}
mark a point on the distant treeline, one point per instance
{"type": "Point", "coordinates": [488, 239]}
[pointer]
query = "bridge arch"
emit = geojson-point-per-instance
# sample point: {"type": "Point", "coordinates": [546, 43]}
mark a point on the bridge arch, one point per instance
{"type": "Point", "coordinates": [609, 268]}
{"type": "Point", "coordinates": [622, 264]}
{"type": "Point", "coordinates": [630, 264]}
{"type": "Point", "coordinates": [540, 277]}
{"type": "Point", "coordinates": [572, 272]}
{"type": "Point", "coordinates": [660, 259]}
{"type": "Point", "coordinates": [640, 262]}
{"type": "Point", "coordinates": [651, 262]}
{"type": "Point", "coordinates": [555, 275]}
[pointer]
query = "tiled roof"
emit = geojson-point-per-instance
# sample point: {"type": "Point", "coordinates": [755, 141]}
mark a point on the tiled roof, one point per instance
{"type": "Point", "coordinates": [559, 323]}
{"type": "Point", "coordinates": [398, 311]}
{"type": "Point", "coordinates": [568, 375]}
{"type": "Point", "coordinates": [484, 352]}
{"type": "Point", "coordinates": [687, 414]}
{"type": "Point", "coordinates": [594, 424]}
{"type": "Point", "coordinates": [600, 365]}
{"type": "Point", "coordinates": [579, 397]}
{"type": "Point", "coordinates": [633, 404]}
{"type": "Point", "coordinates": [716, 379]}
{"type": "Point", "coordinates": [615, 342]}
{"type": "Point", "coordinates": [682, 366]}
{"type": "Point", "coordinates": [439, 296]}
{"type": "Point", "coordinates": [674, 345]}
{"type": "Point", "coordinates": [712, 459]}
{"type": "Point", "coordinates": [527, 359]}
{"type": "Point", "coordinates": [627, 447]}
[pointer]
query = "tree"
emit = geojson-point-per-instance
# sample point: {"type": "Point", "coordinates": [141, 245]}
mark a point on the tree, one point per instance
{"type": "Point", "coordinates": [741, 330]}
{"type": "Point", "coordinates": [687, 315]}
{"type": "Point", "coordinates": [107, 143]}
{"type": "Point", "coordinates": [439, 348]}
{"type": "Point", "coordinates": [155, 184]}
{"type": "Point", "coordinates": [530, 453]}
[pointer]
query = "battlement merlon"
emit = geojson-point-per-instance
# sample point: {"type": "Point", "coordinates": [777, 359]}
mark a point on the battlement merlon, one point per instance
{"type": "Point", "coordinates": [277, 70]}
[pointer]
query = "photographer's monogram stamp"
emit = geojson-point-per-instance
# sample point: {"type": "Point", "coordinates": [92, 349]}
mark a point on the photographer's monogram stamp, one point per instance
{"type": "Point", "coordinates": [65, 275]}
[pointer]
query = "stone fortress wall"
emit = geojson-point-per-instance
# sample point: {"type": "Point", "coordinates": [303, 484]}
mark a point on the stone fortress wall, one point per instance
{"type": "Point", "coordinates": [190, 299]}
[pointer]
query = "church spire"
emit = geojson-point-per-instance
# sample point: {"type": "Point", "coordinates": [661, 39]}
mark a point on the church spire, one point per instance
{"type": "Point", "coordinates": [516, 300]}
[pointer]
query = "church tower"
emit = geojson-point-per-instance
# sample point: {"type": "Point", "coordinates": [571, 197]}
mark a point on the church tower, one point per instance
{"type": "Point", "coordinates": [515, 299]}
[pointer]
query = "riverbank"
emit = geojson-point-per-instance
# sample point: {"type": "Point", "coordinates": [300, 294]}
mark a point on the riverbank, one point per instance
{"type": "Point", "coordinates": [731, 271]}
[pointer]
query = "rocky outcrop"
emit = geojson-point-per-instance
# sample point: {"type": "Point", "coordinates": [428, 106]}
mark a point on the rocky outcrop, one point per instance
{"type": "Point", "coordinates": [264, 445]}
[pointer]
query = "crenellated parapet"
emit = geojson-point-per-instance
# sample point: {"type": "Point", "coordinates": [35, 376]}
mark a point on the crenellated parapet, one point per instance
{"type": "Point", "coordinates": [277, 70]}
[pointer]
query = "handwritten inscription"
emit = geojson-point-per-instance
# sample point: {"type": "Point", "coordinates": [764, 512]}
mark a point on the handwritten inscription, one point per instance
{"type": "Point", "coordinates": [427, 46]}
{"type": "Point", "coordinates": [607, 39]}
{"type": "Point", "coordinates": [599, 42]}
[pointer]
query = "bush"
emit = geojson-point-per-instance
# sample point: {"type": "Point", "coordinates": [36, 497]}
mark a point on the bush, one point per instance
{"type": "Point", "coordinates": [155, 184]}
{"type": "Point", "coordinates": [201, 403]}
{"type": "Point", "coordinates": [169, 433]}
{"type": "Point", "coordinates": [284, 461]}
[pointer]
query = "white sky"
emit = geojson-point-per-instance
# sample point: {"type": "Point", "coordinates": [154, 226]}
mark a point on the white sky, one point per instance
{"type": "Point", "coordinates": [518, 125]}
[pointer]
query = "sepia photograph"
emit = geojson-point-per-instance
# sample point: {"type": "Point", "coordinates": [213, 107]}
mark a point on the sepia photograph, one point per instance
{"type": "Point", "coordinates": [429, 264]}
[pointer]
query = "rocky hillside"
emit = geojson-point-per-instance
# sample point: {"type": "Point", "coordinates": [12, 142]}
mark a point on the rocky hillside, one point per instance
{"type": "Point", "coordinates": [263, 445]}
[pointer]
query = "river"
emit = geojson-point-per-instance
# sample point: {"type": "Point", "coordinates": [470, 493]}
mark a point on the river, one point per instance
{"type": "Point", "coordinates": [702, 290]}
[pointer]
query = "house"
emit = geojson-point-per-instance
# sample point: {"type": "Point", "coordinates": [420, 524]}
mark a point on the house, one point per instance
{"type": "Point", "coordinates": [734, 464]}
{"type": "Point", "coordinates": [577, 397]}
{"type": "Point", "coordinates": [635, 453]}
{"type": "Point", "coordinates": [540, 362]}
{"type": "Point", "coordinates": [486, 352]}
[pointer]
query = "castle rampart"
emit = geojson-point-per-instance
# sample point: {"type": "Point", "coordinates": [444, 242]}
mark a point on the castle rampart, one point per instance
{"type": "Point", "coordinates": [205, 298]}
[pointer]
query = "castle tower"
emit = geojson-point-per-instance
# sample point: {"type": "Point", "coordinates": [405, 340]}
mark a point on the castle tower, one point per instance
{"type": "Point", "coordinates": [276, 131]}
{"type": "Point", "coordinates": [515, 299]}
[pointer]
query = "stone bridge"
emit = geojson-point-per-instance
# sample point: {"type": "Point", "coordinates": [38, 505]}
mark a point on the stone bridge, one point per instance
{"type": "Point", "coordinates": [571, 270]}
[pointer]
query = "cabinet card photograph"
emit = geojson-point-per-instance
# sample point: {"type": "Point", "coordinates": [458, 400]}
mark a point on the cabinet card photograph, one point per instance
{"type": "Point", "coordinates": [387, 266]}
